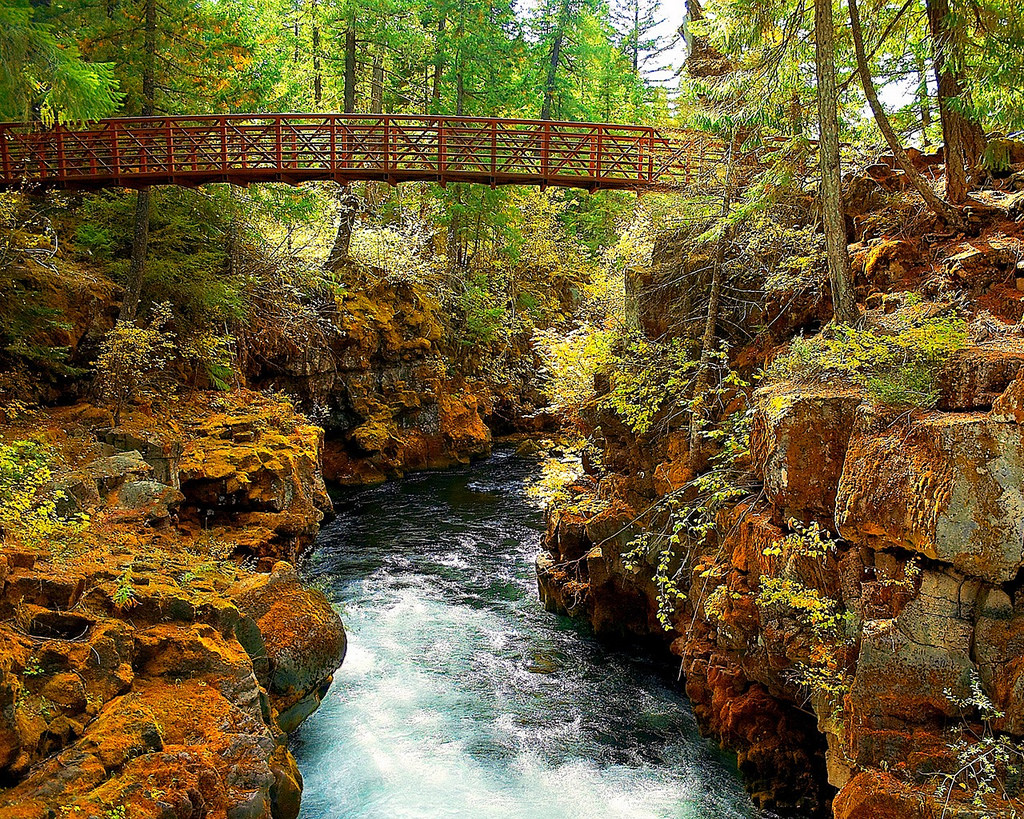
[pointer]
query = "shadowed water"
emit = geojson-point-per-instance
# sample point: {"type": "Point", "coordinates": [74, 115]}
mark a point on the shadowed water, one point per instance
{"type": "Point", "coordinates": [461, 697]}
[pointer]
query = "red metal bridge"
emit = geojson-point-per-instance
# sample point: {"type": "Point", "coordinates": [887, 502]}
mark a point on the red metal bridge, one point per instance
{"type": "Point", "coordinates": [294, 148]}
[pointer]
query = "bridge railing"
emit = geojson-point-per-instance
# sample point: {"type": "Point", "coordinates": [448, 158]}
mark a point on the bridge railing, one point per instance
{"type": "Point", "coordinates": [294, 147]}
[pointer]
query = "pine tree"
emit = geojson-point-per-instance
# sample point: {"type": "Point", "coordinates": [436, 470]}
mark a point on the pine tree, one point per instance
{"type": "Point", "coordinates": [963, 140]}
{"type": "Point", "coordinates": [636, 22]}
{"type": "Point", "coordinates": [942, 209]}
{"type": "Point", "coordinates": [843, 304]}
{"type": "Point", "coordinates": [43, 73]}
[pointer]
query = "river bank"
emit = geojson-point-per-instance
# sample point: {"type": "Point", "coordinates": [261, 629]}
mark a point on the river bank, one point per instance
{"type": "Point", "coordinates": [149, 668]}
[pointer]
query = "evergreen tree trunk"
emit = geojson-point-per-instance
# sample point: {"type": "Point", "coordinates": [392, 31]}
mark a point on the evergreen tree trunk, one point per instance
{"type": "Point", "coordinates": [348, 202]}
{"type": "Point", "coordinates": [843, 303]}
{"type": "Point", "coordinates": [636, 37]}
{"type": "Point", "coordinates": [350, 68]}
{"type": "Point", "coordinates": [699, 405]}
{"type": "Point", "coordinates": [549, 84]}
{"type": "Point", "coordinates": [460, 84]}
{"type": "Point", "coordinates": [318, 80]}
{"type": "Point", "coordinates": [137, 265]}
{"type": "Point", "coordinates": [140, 234]}
{"type": "Point", "coordinates": [377, 82]}
{"type": "Point", "coordinates": [435, 90]}
{"type": "Point", "coordinates": [348, 207]}
{"type": "Point", "coordinates": [963, 140]}
{"type": "Point", "coordinates": [941, 209]}
{"type": "Point", "coordinates": [925, 101]}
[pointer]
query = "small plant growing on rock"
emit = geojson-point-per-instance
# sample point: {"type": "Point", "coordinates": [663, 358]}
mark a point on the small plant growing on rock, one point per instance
{"type": "Point", "coordinates": [897, 363]}
{"type": "Point", "coordinates": [124, 591]}
{"type": "Point", "coordinates": [29, 502]}
{"type": "Point", "coordinates": [825, 673]}
{"type": "Point", "coordinates": [132, 359]}
{"type": "Point", "coordinates": [212, 355]}
{"type": "Point", "coordinates": [812, 540]}
{"type": "Point", "coordinates": [561, 482]}
{"type": "Point", "coordinates": [32, 668]}
{"type": "Point", "coordinates": [690, 524]}
{"type": "Point", "coordinates": [987, 762]}
{"type": "Point", "coordinates": [647, 377]}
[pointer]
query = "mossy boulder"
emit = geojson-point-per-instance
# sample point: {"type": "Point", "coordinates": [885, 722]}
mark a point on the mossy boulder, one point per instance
{"type": "Point", "coordinates": [296, 639]}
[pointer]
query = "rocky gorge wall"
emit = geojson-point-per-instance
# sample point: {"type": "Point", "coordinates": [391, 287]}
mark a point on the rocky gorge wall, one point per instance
{"type": "Point", "coordinates": [852, 627]}
{"type": "Point", "coordinates": [144, 670]}
{"type": "Point", "coordinates": [380, 379]}
{"type": "Point", "coordinates": [372, 363]}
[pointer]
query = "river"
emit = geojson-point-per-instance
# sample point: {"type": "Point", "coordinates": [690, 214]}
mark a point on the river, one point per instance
{"type": "Point", "coordinates": [461, 697]}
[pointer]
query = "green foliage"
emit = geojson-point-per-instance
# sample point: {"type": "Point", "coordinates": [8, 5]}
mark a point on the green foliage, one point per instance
{"type": "Point", "coordinates": [897, 365]}
{"type": "Point", "coordinates": [559, 485]}
{"type": "Point", "coordinates": [30, 320]}
{"type": "Point", "coordinates": [29, 503]}
{"type": "Point", "coordinates": [811, 540]}
{"type": "Point", "coordinates": [825, 672]}
{"type": "Point", "coordinates": [211, 355]}
{"type": "Point", "coordinates": [482, 315]}
{"type": "Point", "coordinates": [988, 764]}
{"type": "Point", "coordinates": [187, 261]}
{"type": "Point", "coordinates": [95, 240]}
{"type": "Point", "coordinates": [819, 613]}
{"type": "Point", "coordinates": [647, 376]}
{"type": "Point", "coordinates": [651, 381]}
{"type": "Point", "coordinates": [988, 36]}
{"type": "Point", "coordinates": [42, 69]}
{"type": "Point", "coordinates": [133, 360]}
{"type": "Point", "coordinates": [124, 596]}
{"type": "Point", "coordinates": [639, 383]}
{"type": "Point", "coordinates": [790, 258]}
{"type": "Point", "coordinates": [690, 523]}
{"type": "Point", "coordinates": [33, 668]}
{"type": "Point", "coordinates": [571, 363]}
{"type": "Point", "coordinates": [593, 220]}
{"type": "Point", "coordinates": [997, 155]}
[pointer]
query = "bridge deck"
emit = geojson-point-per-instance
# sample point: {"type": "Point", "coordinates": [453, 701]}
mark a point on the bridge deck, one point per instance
{"type": "Point", "coordinates": [246, 148]}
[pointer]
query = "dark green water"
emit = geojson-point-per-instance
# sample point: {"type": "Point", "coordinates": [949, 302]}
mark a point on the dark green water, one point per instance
{"type": "Point", "coordinates": [461, 697]}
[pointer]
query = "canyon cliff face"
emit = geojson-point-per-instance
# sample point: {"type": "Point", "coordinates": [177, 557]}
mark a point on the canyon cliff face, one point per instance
{"type": "Point", "coordinates": [376, 376]}
{"type": "Point", "coordinates": [916, 583]}
{"type": "Point", "coordinates": [146, 671]}
{"type": "Point", "coordinates": [373, 362]}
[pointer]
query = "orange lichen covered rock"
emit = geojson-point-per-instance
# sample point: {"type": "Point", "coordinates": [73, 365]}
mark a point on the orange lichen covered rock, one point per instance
{"type": "Point", "coordinates": [877, 795]}
{"type": "Point", "coordinates": [975, 376]}
{"type": "Point", "coordinates": [750, 533]}
{"type": "Point", "coordinates": [128, 683]}
{"type": "Point", "coordinates": [798, 443]}
{"type": "Point", "coordinates": [979, 263]}
{"type": "Point", "coordinates": [947, 486]}
{"type": "Point", "coordinates": [263, 461]}
{"type": "Point", "coordinates": [460, 419]}
{"type": "Point", "coordinates": [674, 472]}
{"type": "Point", "coordinates": [157, 705]}
{"type": "Point", "coordinates": [767, 736]}
{"type": "Point", "coordinates": [295, 638]}
{"type": "Point", "coordinates": [928, 648]}
{"type": "Point", "coordinates": [440, 427]}
{"type": "Point", "coordinates": [1009, 406]}
{"type": "Point", "coordinates": [160, 745]}
{"type": "Point", "coordinates": [888, 262]}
